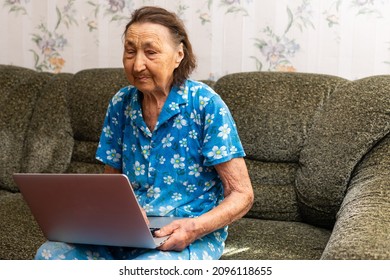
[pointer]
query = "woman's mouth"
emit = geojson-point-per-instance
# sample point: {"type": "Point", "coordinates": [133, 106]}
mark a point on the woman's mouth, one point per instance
{"type": "Point", "coordinates": [142, 78]}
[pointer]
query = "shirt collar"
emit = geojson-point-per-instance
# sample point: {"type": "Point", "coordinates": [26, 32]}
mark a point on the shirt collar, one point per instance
{"type": "Point", "coordinates": [178, 97]}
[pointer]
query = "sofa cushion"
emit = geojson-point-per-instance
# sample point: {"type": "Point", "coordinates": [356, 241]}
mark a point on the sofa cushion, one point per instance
{"type": "Point", "coordinates": [19, 91]}
{"type": "Point", "coordinates": [20, 235]}
{"type": "Point", "coordinates": [89, 95]}
{"type": "Point", "coordinates": [351, 122]}
{"type": "Point", "coordinates": [49, 139]}
{"type": "Point", "coordinates": [274, 110]}
{"type": "Point", "coordinates": [254, 239]}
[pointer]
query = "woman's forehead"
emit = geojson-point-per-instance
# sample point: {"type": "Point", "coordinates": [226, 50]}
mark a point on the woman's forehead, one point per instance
{"type": "Point", "coordinates": [151, 32]}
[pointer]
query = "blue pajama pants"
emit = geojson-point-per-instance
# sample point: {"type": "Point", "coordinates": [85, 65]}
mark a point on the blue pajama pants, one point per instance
{"type": "Point", "coordinates": [199, 250]}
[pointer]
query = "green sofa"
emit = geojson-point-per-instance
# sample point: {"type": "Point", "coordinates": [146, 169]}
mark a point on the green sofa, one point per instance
{"type": "Point", "coordinates": [318, 153]}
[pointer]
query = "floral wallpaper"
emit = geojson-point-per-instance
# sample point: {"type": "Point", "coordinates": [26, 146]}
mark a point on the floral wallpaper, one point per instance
{"type": "Point", "coordinates": [347, 38]}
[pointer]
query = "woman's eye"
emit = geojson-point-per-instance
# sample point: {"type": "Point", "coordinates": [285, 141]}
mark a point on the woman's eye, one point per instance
{"type": "Point", "coordinates": [151, 52]}
{"type": "Point", "coordinates": [130, 52]}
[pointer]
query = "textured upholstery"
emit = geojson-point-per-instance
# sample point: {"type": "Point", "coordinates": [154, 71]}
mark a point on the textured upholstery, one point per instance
{"type": "Point", "coordinates": [260, 239]}
{"type": "Point", "coordinates": [20, 235]}
{"type": "Point", "coordinates": [49, 139]}
{"type": "Point", "coordinates": [274, 113]}
{"type": "Point", "coordinates": [364, 213]}
{"type": "Point", "coordinates": [274, 110]}
{"type": "Point", "coordinates": [88, 96]}
{"type": "Point", "coordinates": [19, 91]}
{"type": "Point", "coordinates": [348, 125]}
{"type": "Point", "coordinates": [317, 152]}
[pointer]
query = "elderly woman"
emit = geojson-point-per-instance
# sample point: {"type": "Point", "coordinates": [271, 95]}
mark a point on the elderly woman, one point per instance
{"type": "Point", "coordinates": [176, 141]}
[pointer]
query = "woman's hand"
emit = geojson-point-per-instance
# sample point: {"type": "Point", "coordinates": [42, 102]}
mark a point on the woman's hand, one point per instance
{"type": "Point", "coordinates": [181, 233]}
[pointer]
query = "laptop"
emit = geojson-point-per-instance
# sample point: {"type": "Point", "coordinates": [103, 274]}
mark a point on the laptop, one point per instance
{"type": "Point", "coordinates": [99, 209]}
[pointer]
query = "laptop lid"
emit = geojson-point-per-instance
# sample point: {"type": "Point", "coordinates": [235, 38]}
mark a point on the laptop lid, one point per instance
{"type": "Point", "coordinates": [98, 209]}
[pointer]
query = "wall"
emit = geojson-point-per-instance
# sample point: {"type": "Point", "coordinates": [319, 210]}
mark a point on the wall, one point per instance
{"type": "Point", "coordinates": [347, 38]}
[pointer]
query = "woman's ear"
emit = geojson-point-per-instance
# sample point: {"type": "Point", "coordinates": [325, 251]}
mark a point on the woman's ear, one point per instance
{"type": "Point", "coordinates": [179, 55]}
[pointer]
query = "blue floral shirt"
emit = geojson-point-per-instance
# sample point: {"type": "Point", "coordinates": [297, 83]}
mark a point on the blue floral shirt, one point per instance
{"type": "Point", "coordinates": [171, 169]}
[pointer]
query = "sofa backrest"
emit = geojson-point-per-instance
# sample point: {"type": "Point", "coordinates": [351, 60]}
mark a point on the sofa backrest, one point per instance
{"type": "Point", "coordinates": [52, 123]}
{"type": "Point", "coordinates": [273, 113]}
{"type": "Point", "coordinates": [75, 105]}
{"type": "Point", "coordinates": [88, 96]}
{"type": "Point", "coordinates": [303, 135]}
{"type": "Point", "coordinates": [49, 142]}
{"type": "Point", "coordinates": [20, 88]}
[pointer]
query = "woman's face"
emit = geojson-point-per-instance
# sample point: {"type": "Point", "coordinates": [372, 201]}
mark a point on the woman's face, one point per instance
{"type": "Point", "coordinates": [150, 57]}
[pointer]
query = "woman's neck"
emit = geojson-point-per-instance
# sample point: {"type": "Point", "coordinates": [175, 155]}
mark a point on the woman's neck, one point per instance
{"type": "Point", "coordinates": [152, 105]}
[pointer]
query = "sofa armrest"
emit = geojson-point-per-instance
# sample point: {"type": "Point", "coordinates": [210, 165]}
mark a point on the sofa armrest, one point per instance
{"type": "Point", "coordinates": [362, 229]}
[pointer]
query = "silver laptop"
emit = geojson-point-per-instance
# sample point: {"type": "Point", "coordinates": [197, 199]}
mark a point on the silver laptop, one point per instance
{"type": "Point", "coordinates": [99, 209]}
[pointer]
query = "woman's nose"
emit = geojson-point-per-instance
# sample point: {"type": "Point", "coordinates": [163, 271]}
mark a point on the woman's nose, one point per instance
{"type": "Point", "coordinates": [139, 62]}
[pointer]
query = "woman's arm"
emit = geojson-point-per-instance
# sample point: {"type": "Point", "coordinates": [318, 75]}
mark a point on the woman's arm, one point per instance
{"type": "Point", "coordinates": [238, 200]}
{"type": "Point", "coordinates": [238, 194]}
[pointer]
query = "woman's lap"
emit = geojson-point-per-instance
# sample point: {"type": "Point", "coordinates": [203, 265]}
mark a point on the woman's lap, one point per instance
{"type": "Point", "coordinates": [50, 250]}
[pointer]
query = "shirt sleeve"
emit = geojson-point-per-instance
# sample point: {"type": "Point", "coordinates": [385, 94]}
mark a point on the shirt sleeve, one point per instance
{"type": "Point", "coordinates": [109, 150]}
{"type": "Point", "coordinates": [221, 141]}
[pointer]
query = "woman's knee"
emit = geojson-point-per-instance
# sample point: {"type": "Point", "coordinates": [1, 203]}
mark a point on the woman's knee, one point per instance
{"type": "Point", "coordinates": [51, 250]}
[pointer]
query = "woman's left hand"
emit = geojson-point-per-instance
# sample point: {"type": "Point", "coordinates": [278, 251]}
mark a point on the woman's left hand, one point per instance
{"type": "Point", "coordinates": [181, 233]}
